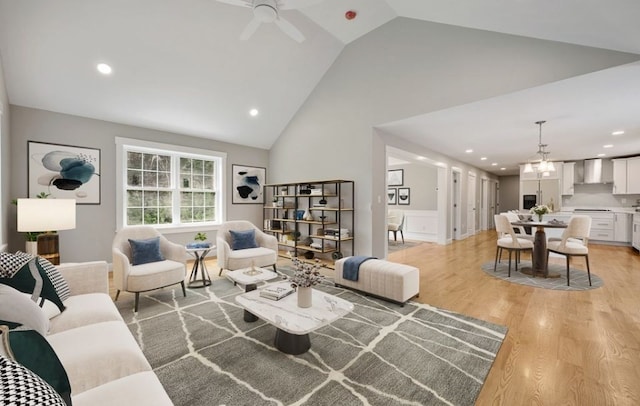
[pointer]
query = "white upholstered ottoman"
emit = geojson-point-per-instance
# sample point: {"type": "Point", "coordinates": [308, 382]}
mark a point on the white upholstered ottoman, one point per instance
{"type": "Point", "coordinates": [388, 280]}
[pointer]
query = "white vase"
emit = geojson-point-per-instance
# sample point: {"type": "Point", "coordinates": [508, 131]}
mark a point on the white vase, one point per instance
{"type": "Point", "coordinates": [31, 247]}
{"type": "Point", "coordinates": [304, 296]}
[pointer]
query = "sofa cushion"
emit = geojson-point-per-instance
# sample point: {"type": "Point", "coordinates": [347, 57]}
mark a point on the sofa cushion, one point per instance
{"type": "Point", "coordinates": [25, 273]}
{"type": "Point", "coordinates": [83, 310]}
{"type": "Point", "coordinates": [98, 353]}
{"type": "Point", "coordinates": [242, 240]}
{"type": "Point", "coordinates": [24, 387]}
{"type": "Point", "coordinates": [154, 275]}
{"type": "Point", "coordinates": [145, 251]}
{"type": "Point", "coordinates": [31, 349]}
{"type": "Point", "coordinates": [17, 309]}
{"type": "Point", "coordinates": [141, 389]}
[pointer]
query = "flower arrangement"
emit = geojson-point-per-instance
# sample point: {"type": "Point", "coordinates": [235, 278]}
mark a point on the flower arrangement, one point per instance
{"type": "Point", "coordinates": [540, 210]}
{"type": "Point", "coordinates": [200, 237]}
{"type": "Point", "coordinates": [305, 274]}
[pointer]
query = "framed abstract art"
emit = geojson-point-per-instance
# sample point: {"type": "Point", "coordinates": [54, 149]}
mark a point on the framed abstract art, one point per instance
{"type": "Point", "coordinates": [247, 184]}
{"type": "Point", "coordinates": [64, 172]}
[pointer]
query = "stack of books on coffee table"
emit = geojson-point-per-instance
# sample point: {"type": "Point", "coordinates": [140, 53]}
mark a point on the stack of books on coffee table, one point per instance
{"type": "Point", "coordinates": [276, 291]}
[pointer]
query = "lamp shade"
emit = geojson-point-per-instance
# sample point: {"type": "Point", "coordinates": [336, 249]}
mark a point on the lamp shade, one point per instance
{"type": "Point", "coordinates": [46, 214]}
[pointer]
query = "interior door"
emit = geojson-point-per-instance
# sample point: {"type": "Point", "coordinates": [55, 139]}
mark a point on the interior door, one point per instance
{"type": "Point", "coordinates": [457, 206]}
{"type": "Point", "coordinates": [471, 204]}
{"type": "Point", "coordinates": [484, 205]}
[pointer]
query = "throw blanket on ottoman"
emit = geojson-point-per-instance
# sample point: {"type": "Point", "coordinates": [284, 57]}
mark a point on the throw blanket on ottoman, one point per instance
{"type": "Point", "coordinates": [351, 266]}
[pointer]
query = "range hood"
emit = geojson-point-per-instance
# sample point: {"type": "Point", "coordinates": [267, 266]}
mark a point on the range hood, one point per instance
{"type": "Point", "coordinates": [594, 171]}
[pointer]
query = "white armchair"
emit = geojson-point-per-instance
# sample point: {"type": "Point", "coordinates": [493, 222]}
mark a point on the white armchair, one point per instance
{"type": "Point", "coordinates": [265, 254]}
{"type": "Point", "coordinates": [151, 275]}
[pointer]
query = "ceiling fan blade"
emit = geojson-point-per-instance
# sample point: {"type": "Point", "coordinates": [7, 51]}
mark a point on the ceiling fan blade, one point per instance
{"type": "Point", "coordinates": [250, 29]}
{"type": "Point", "coordinates": [296, 4]}
{"type": "Point", "coordinates": [241, 3]}
{"type": "Point", "coordinates": [289, 29]}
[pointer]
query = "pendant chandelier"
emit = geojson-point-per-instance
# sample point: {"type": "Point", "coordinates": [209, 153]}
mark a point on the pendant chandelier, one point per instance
{"type": "Point", "coordinates": [544, 164]}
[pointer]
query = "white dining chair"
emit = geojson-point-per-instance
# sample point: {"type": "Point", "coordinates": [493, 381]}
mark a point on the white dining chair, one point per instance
{"type": "Point", "coordinates": [573, 242]}
{"type": "Point", "coordinates": [508, 239]}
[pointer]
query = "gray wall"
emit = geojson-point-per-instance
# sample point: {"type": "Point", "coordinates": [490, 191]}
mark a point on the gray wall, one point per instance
{"type": "Point", "coordinates": [509, 195]}
{"type": "Point", "coordinates": [402, 69]}
{"type": "Point", "coordinates": [96, 224]}
{"type": "Point", "coordinates": [5, 198]}
{"type": "Point", "coordinates": [422, 181]}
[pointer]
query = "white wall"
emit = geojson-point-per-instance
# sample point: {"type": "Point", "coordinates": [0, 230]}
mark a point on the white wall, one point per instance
{"type": "Point", "coordinates": [95, 224]}
{"type": "Point", "coordinates": [404, 68]}
{"type": "Point", "coordinates": [5, 199]}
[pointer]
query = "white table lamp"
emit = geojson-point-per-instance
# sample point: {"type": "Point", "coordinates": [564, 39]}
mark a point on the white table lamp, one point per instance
{"type": "Point", "coordinates": [47, 216]}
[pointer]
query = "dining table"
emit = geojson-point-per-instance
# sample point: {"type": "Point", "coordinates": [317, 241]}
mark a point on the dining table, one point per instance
{"type": "Point", "coordinates": [539, 256]}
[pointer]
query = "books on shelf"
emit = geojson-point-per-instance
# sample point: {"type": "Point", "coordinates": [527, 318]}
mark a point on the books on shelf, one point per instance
{"type": "Point", "coordinates": [276, 291]}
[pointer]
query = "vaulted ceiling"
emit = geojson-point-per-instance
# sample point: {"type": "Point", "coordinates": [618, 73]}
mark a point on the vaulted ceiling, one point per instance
{"type": "Point", "coordinates": [179, 66]}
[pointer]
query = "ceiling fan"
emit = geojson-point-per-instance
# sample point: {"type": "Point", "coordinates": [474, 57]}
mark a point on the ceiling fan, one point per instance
{"type": "Point", "coordinates": [267, 11]}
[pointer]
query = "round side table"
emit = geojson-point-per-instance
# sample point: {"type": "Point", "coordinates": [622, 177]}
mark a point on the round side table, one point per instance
{"type": "Point", "coordinates": [198, 265]}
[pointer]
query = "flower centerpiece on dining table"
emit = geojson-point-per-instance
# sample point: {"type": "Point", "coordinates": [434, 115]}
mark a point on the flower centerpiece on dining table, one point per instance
{"type": "Point", "coordinates": [540, 210]}
{"type": "Point", "coordinates": [305, 275]}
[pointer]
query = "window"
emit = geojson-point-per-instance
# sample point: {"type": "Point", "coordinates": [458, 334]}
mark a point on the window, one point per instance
{"type": "Point", "coordinates": [169, 186]}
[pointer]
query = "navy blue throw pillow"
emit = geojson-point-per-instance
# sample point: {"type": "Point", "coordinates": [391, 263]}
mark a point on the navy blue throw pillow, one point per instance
{"type": "Point", "coordinates": [145, 251]}
{"type": "Point", "coordinates": [241, 240]}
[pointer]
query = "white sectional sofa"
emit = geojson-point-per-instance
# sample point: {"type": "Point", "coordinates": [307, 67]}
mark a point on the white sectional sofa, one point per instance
{"type": "Point", "coordinates": [103, 361]}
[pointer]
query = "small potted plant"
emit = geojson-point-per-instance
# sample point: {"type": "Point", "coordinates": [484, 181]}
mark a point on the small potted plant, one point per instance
{"type": "Point", "coordinates": [540, 210]}
{"type": "Point", "coordinates": [200, 241]}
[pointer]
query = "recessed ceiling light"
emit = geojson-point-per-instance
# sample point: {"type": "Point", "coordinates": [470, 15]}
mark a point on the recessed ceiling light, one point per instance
{"type": "Point", "coordinates": [253, 112]}
{"type": "Point", "coordinates": [484, 158]}
{"type": "Point", "coordinates": [104, 68]}
{"type": "Point", "coordinates": [468, 151]}
{"type": "Point", "coordinates": [601, 155]}
{"type": "Point", "coordinates": [503, 169]}
{"type": "Point", "coordinates": [494, 164]}
{"type": "Point", "coordinates": [620, 132]}
{"type": "Point", "coordinates": [421, 158]}
{"type": "Point", "coordinates": [608, 146]}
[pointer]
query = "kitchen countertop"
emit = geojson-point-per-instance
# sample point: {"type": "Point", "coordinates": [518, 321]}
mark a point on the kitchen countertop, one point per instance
{"type": "Point", "coordinates": [627, 210]}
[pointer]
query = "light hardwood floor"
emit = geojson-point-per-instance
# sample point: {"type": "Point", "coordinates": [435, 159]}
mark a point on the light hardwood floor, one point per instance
{"type": "Point", "coordinates": [562, 348]}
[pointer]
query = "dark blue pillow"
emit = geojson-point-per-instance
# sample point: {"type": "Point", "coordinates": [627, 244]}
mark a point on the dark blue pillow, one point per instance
{"type": "Point", "coordinates": [145, 251]}
{"type": "Point", "coordinates": [241, 240]}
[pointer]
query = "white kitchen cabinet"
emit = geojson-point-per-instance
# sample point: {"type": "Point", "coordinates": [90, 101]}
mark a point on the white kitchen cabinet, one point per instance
{"type": "Point", "coordinates": [622, 227]}
{"type": "Point", "coordinates": [619, 176]}
{"type": "Point", "coordinates": [633, 176]}
{"type": "Point", "coordinates": [568, 170]}
{"type": "Point", "coordinates": [602, 226]}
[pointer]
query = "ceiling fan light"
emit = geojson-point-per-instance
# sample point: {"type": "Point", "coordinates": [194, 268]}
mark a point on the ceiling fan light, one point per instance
{"type": "Point", "coordinates": [265, 13]}
{"type": "Point", "coordinates": [528, 168]}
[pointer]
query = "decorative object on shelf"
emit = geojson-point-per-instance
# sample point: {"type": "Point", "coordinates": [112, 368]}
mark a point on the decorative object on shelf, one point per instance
{"type": "Point", "coordinates": [392, 195]}
{"type": "Point", "coordinates": [336, 255]}
{"type": "Point", "coordinates": [307, 215]}
{"type": "Point", "coordinates": [307, 241]}
{"type": "Point", "coordinates": [64, 171]}
{"type": "Point", "coordinates": [309, 255]}
{"type": "Point", "coordinates": [544, 165]}
{"type": "Point", "coordinates": [323, 202]}
{"type": "Point", "coordinates": [540, 210]}
{"type": "Point", "coordinates": [299, 214]}
{"type": "Point", "coordinates": [404, 194]}
{"type": "Point", "coordinates": [395, 177]}
{"type": "Point", "coordinates": [247, 182]}
{"type": "Point", "coordinates": [305, 276]}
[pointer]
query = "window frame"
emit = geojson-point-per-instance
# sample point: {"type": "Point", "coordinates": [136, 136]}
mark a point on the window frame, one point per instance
{"type": "Point", "coordinates": [123, 145]}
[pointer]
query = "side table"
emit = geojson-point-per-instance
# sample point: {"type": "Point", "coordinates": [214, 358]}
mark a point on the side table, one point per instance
{"type": "Point", "coordinates": [198, 265]}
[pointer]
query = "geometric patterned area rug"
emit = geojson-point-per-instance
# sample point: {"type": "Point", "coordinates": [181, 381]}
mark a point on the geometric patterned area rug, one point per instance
{"type": "Point", "coordinates": [204, 353]}
{"type": "Point", "coordinates": [578, 278]}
